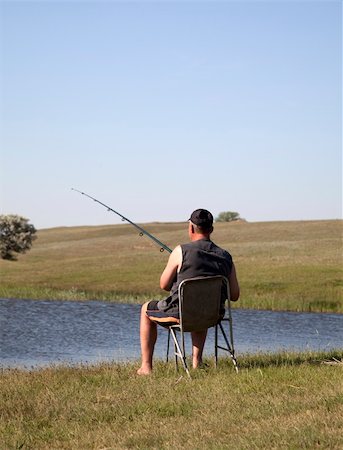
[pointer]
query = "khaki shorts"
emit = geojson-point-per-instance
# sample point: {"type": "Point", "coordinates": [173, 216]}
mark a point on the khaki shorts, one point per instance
{"type": "Point", "coordinates": [164, 318]}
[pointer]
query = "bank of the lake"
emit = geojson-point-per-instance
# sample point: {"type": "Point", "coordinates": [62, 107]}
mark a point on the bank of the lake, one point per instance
{"type": "Point", "coordinates": [295, 266]}
{"type": "Point", "coordinates": [276, 401]}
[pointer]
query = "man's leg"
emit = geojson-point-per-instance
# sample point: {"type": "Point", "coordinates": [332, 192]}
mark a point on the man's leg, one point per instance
{"type": "Point", "coordinates": [198, 342]}
{"type": "Point", "coordinates": [148, 336]}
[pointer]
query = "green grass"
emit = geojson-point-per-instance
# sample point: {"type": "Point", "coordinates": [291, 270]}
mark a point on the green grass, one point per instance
{"type": "Point", "coordinates": [280, 265]}
{"type": "Point", "coordinates": [277, 401]}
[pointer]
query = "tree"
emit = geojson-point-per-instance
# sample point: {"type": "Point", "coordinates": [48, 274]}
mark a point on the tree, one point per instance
{"type": "Point", "coordinates": [16, 235]}
{"type": "Point", "coordinates": [227, 216]}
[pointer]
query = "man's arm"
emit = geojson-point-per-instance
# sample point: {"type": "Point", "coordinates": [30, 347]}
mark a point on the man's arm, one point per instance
{"type": "Point", "coordinates": [233, 283]}
{"type": "Point", "coordinates": [169, 274]}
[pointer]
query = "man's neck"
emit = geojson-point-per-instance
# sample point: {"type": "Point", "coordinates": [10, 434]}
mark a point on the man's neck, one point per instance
{"type": "Point", "coordinates": [198, 237]}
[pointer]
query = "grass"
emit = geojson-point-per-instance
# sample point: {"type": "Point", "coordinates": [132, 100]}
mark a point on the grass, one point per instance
{"type": "Point", "coordinates": [286, 400]}
{"type": "Point", "coordinates": [281, 265]}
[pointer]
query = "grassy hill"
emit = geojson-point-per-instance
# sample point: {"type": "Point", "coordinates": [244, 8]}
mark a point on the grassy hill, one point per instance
{"type": "Point", "coordinates": [280, 265]}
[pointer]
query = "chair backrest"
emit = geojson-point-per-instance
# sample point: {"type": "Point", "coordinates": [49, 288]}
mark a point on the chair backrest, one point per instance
{"type": "Point", "coordinates": [200, 302]}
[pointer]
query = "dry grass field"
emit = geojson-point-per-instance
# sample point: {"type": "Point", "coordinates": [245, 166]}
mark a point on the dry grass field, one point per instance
{"type": "Point", "coordinates": [281, 265]}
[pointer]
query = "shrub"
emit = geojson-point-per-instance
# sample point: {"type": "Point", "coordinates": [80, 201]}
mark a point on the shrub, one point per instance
{"type": "Point", "coordinates": [227, 216]}
{"type": "Point", "coordinates": [16, 235]}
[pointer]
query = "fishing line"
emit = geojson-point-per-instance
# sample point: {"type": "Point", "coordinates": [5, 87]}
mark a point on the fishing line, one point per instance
{"type": "Point", "coordinates": [141, 230]}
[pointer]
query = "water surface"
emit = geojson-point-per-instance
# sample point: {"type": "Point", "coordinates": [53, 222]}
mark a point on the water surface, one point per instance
{"type": "Point", "coordinates": [38, 333]}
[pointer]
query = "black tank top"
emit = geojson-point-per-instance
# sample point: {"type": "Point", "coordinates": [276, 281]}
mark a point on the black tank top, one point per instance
{"type": "Point", "coordinates": [200, 258]}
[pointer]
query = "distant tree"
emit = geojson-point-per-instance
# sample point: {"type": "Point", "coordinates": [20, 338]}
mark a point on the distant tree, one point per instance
{"type": "Point", "coordinates": [227, 216]}
{"type": "Point", "coordinates": [16, 235]}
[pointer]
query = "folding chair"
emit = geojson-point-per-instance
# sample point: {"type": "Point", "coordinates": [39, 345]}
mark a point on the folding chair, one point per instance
{"type": "Point", "coordinates": [200, 301]}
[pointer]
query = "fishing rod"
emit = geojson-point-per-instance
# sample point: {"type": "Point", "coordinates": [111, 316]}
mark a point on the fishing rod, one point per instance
{"type": "Point", "coordinates": [125, 219]}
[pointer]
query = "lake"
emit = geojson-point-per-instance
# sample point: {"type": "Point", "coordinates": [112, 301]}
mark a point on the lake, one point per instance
{"type": "Point", "coordinates": [34, 333]}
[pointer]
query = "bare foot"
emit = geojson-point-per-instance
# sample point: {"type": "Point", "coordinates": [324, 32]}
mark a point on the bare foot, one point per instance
{"type": "Point", "coordinates": [196, 364]}
{"type": "Point", "coordinates": [144, 371]}
{"type": "Point", "coordinates": [200, 365]}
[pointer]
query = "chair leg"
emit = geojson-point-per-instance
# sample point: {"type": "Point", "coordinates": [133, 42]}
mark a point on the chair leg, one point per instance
{"type": "Point", "coordinates": [229, 346]}
{"type": "Point", "coordinates": [168, 343]}
{"type": "Point", "coordinates": [183, 348]}
{"type": "Point", "coordinates": [179, 353]}
{"type": "Point", "coordinates": [216, 346]}
{"type": "Point", "coordinates": [176, 357]}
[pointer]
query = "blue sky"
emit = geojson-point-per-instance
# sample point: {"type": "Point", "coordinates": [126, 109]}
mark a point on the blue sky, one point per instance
{"type": "Point", "coordinates": [159, 108]}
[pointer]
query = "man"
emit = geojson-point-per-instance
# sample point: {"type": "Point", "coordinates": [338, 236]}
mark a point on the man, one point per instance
{"type": "Point", "coordinates": [200, 257]}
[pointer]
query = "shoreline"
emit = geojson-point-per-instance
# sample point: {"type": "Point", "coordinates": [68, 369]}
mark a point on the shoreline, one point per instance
{"type": "Point", "coordinates": [246, 361]}
{"type": "Point", "coordinates": [139, 300]}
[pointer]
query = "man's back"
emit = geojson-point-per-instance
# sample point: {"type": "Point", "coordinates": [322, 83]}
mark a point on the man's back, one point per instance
{"type": "Point", "coordinates": [202, 258]}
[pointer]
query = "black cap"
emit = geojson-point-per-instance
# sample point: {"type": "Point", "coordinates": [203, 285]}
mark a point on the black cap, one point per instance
{"type": "Point", "coordinates": [202, 218]}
